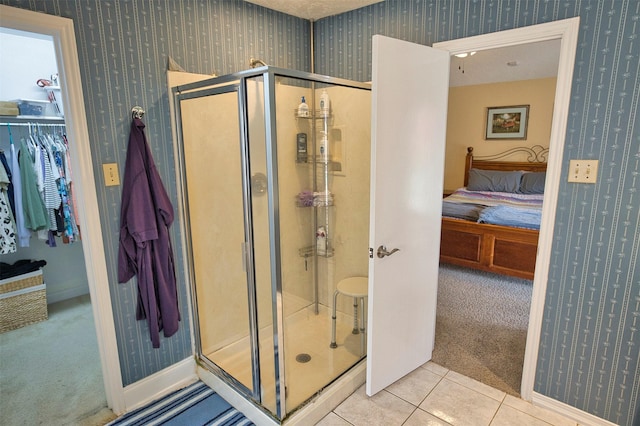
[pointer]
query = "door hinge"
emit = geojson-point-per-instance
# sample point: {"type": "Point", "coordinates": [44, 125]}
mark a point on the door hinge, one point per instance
{"type": "Point", "coordinates": [370, 252]}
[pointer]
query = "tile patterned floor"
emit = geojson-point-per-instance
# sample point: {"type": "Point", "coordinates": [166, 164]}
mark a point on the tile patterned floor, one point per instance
{"type": "Point", "coordinates": [433, 396]}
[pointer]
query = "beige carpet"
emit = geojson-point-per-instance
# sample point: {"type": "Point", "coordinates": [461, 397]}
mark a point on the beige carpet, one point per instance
{"type": "Point", "coordinates": [481, 326]}
{"type": "Point", "coordinates": [50, 372]}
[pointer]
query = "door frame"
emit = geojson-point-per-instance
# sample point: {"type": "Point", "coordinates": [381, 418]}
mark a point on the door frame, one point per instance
{"type": "Point", "coordinates": [62, 32]}
{"type": "Point", "coordinates": [566, 31]}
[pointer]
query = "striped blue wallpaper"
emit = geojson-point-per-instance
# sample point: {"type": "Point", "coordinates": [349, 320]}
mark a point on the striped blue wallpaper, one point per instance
{"type": "Point", "coordinates": [589, 356]}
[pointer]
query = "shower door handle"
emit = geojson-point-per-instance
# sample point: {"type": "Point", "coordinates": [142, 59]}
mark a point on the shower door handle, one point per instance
{"type": "Point", "coordinates": [382, 251]}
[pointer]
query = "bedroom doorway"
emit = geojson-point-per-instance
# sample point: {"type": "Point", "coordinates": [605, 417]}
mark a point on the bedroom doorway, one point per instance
{"type": "Point", "coordinates": [482, 317]}
{"type": "Point", "coordinates": [566, 32]}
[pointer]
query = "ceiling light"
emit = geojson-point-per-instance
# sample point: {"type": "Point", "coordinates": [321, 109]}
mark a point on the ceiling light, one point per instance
{"type": "Point", "coordinates": [464, 54]}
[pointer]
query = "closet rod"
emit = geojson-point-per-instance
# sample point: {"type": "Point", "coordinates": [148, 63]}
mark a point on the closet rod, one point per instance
{"type": "Point", "coordinates": [32, 124]}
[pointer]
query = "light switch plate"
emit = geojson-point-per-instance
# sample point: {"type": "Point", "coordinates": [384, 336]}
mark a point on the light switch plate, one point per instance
{"type": "Point", "coordinates": [111, 176]}
{"type": "Point", "coordinates": [583, 171]}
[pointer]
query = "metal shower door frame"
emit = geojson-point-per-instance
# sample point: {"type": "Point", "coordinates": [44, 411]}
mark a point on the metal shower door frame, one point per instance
{"type": "Point", "coordinates": [181, 93]}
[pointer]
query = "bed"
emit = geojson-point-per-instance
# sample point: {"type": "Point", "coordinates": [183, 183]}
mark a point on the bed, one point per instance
{"type": "Point", "coordinates": [496, 188]}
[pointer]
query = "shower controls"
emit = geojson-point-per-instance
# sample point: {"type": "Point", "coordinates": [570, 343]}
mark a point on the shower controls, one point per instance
{"type": "Point", "coordinates": [258, 183]}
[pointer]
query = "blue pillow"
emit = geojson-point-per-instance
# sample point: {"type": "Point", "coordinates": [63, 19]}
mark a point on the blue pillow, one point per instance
{"type": "Point", "coordinates": [494, 181]}
{"type": "Point", "coordinates": [532, 183]}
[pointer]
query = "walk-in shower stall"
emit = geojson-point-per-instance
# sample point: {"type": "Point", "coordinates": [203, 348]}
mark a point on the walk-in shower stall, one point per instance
{"type": "Point", "coordinates": [276, 214]}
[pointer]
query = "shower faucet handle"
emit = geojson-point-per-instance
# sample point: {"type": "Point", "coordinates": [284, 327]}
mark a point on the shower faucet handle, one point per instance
{"type": "Point", "coordinates": [382, 251]}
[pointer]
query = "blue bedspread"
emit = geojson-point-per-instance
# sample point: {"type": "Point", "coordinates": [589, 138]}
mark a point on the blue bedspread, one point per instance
{"type": "Point", "coordinates": [511, 216]}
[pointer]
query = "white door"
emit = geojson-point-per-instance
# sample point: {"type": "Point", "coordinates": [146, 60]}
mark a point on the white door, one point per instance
{"type": "Point", "coordinates": [409, 118]}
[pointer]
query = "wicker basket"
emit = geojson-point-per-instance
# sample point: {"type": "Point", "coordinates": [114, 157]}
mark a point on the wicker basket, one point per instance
{"type": "Point", "coordinates": [23, 301]}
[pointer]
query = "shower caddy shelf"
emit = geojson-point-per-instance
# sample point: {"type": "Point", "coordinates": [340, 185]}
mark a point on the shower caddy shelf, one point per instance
{"type": "Point", "coordinates": [311, 251]}
{"type": "Point", "coordinates": [323, 204]}
{"type": "Point", "coordinates": [334, 166]}
{"type": "Point", "coordinates": [328, 166]}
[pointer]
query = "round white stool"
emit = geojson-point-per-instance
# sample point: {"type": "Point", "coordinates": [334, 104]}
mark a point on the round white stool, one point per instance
{"type": "Point", "coordinates": [356, 287]}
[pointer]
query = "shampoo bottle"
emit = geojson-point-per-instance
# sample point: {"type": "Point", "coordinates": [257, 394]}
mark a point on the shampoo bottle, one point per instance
{"type": "Point", "coordinates": [303, 108]}
{"type": "Point", "coordinates": [301, 142]}
{"type": "Point", "coordinates": [324, 146]}
{"type": "Point", "coordinates": [325, 103]}
{"type": "Point", "coordinates": [321, 241]}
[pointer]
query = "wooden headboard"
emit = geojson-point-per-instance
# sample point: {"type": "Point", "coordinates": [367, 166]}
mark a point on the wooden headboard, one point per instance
{"type": "Point", "coordinates": [536, 161]}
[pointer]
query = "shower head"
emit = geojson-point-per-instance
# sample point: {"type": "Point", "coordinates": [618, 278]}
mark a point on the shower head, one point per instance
{"type": "Point", "coordinates": [256, 62]}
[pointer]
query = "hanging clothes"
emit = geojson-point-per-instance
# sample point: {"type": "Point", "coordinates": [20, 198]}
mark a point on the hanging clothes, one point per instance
{"type": "Point", "coordinates": [39, 167]}
{"type": "Point", "coordinates": [5, 163]}
{"type": "Point", "coordinates": [66, 222]}
{"type": "Point", "coordinates": [51, 194]}
{"type": "Point", "coordinates": [23, 233]}
{"type": "Point", "coordinates": [8, 230]}
{"type": "Point", "coordinates": [35, 212]}
{"type": "Point", "coordinates": [145, 248]}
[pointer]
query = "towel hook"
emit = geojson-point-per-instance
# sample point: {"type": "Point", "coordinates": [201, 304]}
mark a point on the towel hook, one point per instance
{"type": "Point", "coordinates": [137, 112]}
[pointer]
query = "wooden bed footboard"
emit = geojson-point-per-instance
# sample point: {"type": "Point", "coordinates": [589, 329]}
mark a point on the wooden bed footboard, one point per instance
{"type": "Point", "coordinates": [493, 248]}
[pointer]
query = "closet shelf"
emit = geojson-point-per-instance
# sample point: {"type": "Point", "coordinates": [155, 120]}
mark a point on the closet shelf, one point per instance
{"type": "Point", "coordinates": [317, 115]}
{"type": "Point", "coordinates": [30, 118]}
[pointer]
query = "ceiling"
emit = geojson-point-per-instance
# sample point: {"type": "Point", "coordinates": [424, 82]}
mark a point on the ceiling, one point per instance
{"type": "Point", "coordinates": [313, 9]}
{"type": "Point", "coordinates": [528, 61]}
{"type": "Point", "coordinates": [513, 63]}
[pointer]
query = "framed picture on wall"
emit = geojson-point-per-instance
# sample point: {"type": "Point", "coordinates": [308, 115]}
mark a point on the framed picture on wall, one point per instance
{"type": "Point", "coordinates": [507, 122]}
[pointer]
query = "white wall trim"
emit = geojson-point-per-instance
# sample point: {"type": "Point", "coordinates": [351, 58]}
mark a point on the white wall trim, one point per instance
{"type": "Point", "coordinates": [66, 294]}
{"type": "Point", "coordinates": [567, 31]}
{"type": "Point", "coordinates": [61, 29]}
{"type": "Point", "coordinates": [582, 417]}
{"type": "Point", "coordinates": [159, 384]}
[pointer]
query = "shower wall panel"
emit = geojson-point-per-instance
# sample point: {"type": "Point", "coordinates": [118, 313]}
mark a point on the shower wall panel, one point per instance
{"type": "Point", "coordinates": [296, 227]}
{"type": "Point", "coordinates": [350, 142]}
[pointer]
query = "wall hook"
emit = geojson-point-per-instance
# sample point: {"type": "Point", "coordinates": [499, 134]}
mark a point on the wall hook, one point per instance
{"type": "Point", "coordinates": [137, 112]}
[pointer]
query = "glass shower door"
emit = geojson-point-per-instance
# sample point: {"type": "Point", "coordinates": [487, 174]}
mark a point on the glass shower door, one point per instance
{"type": "Point", "coordinates": [262, 286]}
{"type": "Point", "coordinates": [213, 170]}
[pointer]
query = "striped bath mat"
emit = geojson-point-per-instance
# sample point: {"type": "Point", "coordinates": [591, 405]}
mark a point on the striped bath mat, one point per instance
{"type": "Point", "coordinates": [195, 405]}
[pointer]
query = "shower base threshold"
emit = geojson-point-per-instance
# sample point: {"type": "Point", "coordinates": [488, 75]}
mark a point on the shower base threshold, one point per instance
{"type": "Point", "coordinates": [310, 413]}
{"type": "Point", "coordinates": [310, 334]}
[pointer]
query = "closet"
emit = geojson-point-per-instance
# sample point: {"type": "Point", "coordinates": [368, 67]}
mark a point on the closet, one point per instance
{"type": "Point", "coordinates": [41, 126]}
{"type": "Point", "coordinates": [65, 348]}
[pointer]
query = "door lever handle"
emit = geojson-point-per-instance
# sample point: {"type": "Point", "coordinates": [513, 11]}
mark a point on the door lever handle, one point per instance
{"type": "Point", "coordinates": [382, 251]}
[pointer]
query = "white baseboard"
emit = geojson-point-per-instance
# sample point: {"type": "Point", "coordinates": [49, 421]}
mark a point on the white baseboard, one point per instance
{"type": "Point", "coordinates": [70, 293]}
{"type": "Point", "coordinates": [582, 417]}
{"type": "Point", "coordinates": [159, 384]}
